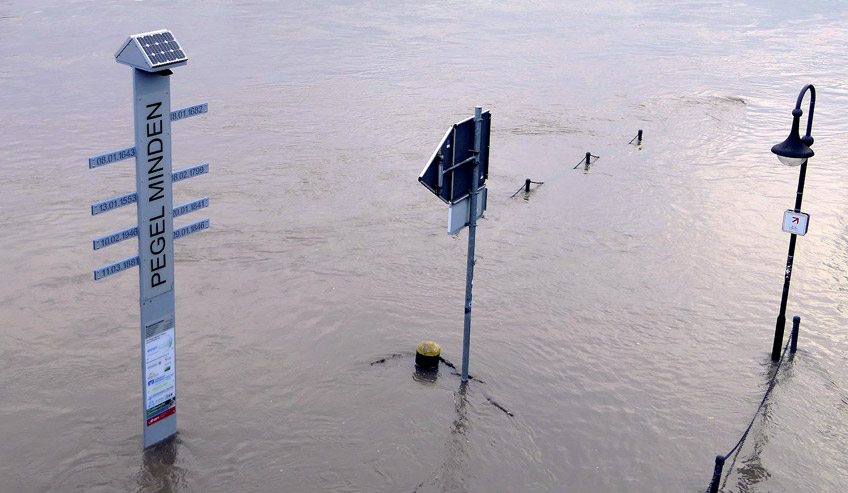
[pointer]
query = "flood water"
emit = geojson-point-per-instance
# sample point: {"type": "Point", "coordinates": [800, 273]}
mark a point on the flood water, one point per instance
{"type": "Point", "coordinates": [624, 315]}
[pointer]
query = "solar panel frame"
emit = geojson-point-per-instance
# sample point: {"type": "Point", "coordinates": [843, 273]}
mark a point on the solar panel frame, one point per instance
{"type": "Point", "coordinates": [158, 50]}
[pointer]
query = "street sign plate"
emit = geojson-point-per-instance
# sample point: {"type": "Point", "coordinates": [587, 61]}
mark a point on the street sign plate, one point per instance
{"type": "Point", "coordinates": [795, 222]}
{"type": "Point", "coordinates": [116, 237]}
{"type": "Point", "coordinates": [111, 157]}
{"type": "Point", "coordinates": [116, 267]}
{"type": "Point", "coordinates": [189, 111]}
{"type": "Point", "coordinates": [458, 216]}
{"type": "Point", "coordinates": [185, 173]}
{"type": "Point", "coordinates": [448, 172]}
{"type": "Point", "coordinates": [191, 228]}
{"type": "Point", "coordinates": [192, 206]}
{"type": "Point", "coordinates": [113, 203]}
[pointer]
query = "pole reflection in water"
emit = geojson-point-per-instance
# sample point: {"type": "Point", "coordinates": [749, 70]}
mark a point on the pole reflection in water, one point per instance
{"type": "Point", "coordinates": [453, 471]}
{"type": "Point", "coordinates": [427, 377]}
{"type": "Point", "coordinates": [159, 471]}
{"type": "Point", "coordinates": [752, 471]}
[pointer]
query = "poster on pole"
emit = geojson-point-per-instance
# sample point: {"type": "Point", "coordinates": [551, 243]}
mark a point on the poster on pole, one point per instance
{"type": "Point", "coordinates": [160, 391]}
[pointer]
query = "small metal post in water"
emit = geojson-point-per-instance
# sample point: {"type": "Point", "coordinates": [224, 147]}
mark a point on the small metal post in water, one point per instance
{"type": "Point", "coordinates": [719, 465]}
{"type": "Point", "coordinates": [588, 158]}
{"type": "Point", "coordinates": [796, 323]}
{"type": "Point", "coordinates": [639, 137]}
{"type": "Point", "coordinates": [527, 185]}
{"type": "Point", "coordinates": [472, 236]}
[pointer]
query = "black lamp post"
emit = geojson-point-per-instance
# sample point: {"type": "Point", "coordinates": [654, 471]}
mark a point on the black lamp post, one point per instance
{"type": "Point", "coordinates": [793, 151]}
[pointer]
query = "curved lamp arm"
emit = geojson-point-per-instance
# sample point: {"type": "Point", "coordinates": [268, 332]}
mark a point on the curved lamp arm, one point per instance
{"type": "Point", "coordinates": [808, 138]}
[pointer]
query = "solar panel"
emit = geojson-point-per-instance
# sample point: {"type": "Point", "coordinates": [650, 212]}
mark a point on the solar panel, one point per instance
{"type": "Point", "coordinates": [161, 50]}
{"type": "Point", "coordinates": [153, 51]}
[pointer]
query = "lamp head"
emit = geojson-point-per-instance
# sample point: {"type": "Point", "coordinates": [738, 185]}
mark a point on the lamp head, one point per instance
{"type": "Point", "coordinates": [794, 150]}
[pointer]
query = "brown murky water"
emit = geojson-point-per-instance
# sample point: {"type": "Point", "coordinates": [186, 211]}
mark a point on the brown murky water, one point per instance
{"type": "Point", "coordinates": [624, 315]}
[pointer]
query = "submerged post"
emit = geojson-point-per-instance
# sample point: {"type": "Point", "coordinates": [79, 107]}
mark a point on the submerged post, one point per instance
{"type": "Point", "coordinates": [527, 185]}
{"type": "Point", "coordinates": [472, 237]}
{"type": "Point", "coordinates": [719, 465]}
{"type": "Point", "coordinates": [796, 323]}
{"type": "Point", "coordinates": [639, 137]}
{"type": "Point", "coordinates": [587, 161]}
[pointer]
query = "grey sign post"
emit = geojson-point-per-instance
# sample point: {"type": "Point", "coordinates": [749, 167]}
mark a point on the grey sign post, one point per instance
{"type": "Point", "coordinates": [457, 173]}
{"type": "Point", "coordinates": [152, 55]}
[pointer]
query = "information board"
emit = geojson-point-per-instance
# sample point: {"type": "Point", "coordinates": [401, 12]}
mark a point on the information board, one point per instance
{"type": "Point", "coordinates": [160, 391]}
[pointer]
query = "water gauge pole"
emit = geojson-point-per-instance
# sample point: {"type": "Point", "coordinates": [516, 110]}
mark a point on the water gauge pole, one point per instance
{"type": "Point", "coordinates": [152, 56]}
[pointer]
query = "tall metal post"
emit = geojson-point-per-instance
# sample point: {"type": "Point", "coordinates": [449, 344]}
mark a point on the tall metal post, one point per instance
{"type": "Point", "coordinates": [152, 106]}
{"type": "Point", "coordinates": [781, 317]}
{"type": "Point", "coordinates": [472, 236]}
{"type": "Point", "coordinates": [152, 55]}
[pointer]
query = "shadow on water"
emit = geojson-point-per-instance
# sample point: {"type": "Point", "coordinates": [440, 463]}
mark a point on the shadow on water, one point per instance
{"type": "Point", "coordinates": [159, 472]}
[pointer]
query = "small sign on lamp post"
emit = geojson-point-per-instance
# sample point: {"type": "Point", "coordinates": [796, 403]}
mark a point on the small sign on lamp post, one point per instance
{"type": "Point", "coordinates": [795, 222]}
